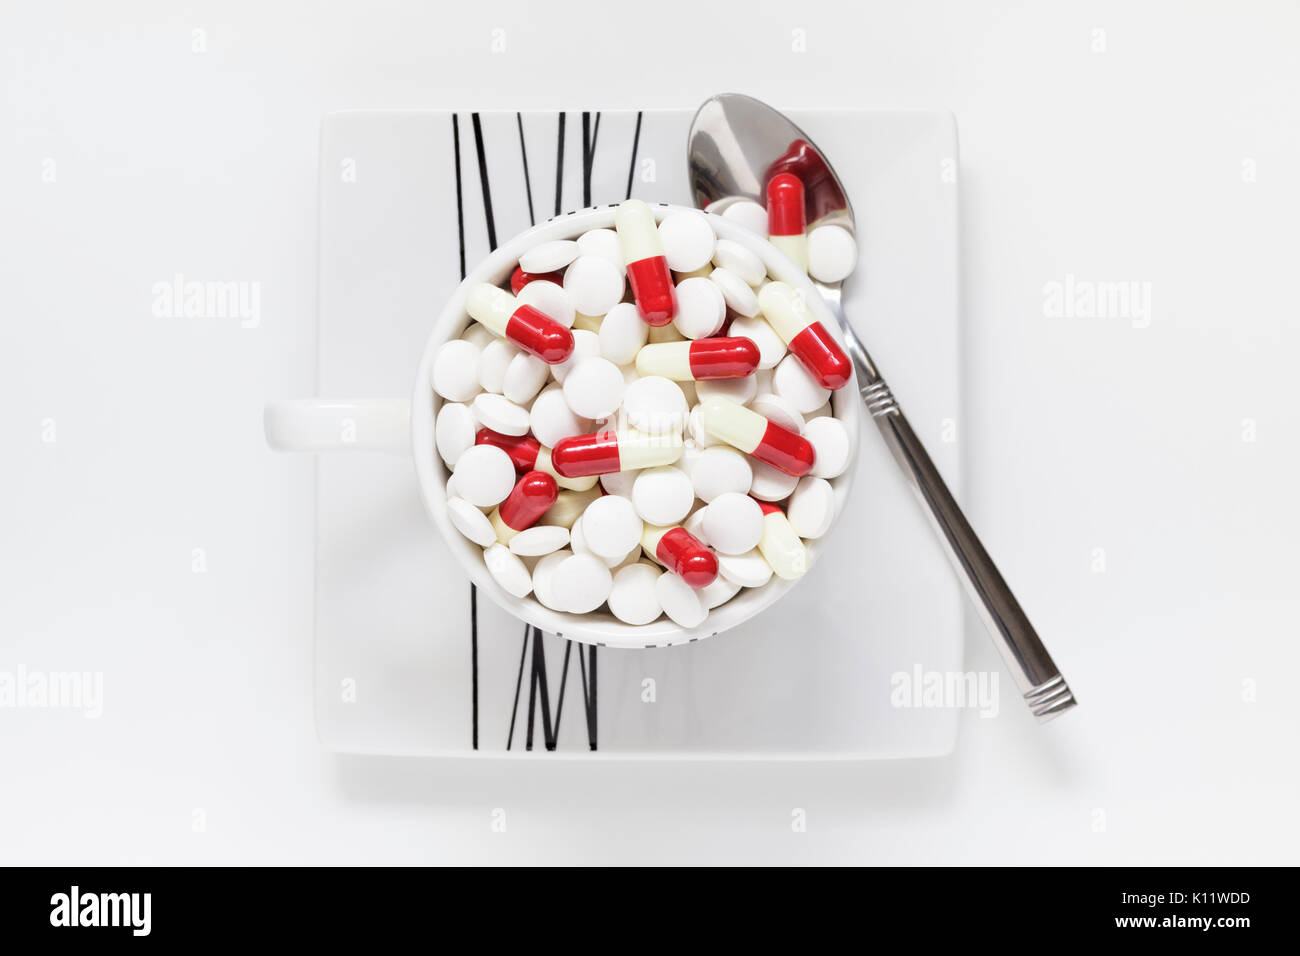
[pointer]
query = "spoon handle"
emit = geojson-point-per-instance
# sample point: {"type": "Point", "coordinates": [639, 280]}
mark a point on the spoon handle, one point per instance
{"type": "Point", "coordinates": [1038, 678]}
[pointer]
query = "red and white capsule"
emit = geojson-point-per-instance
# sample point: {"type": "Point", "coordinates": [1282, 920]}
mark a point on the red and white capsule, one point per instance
{"type": "Point", "coordinates": [808, 340]}
{"type": "Point", "coordinates": [607, 452]}
{"type": "Point", "coordinates": [702, 360]}
{"type": "Point", "coordinates": [682, 553]}
{"type": "Point", "coordinates": [785, 217]}
{"type": "Point", "coordinates": [531, 498]}
{"type": "Point", "coordinates": [519, 278]}
{"type": "Point", "coordinates": [780, 546]}
{"type": "Point", "coordinates": [746, 430]}
{"type": "Point", "coordinates": [647, 267]}
{"type": "Point", "coordinates": [528, 454]}
{"type": "Point", "coordinates": [533, 331]}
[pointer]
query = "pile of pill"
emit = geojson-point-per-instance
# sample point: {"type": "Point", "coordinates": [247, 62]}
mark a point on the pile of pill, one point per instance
{"type": "Point", "coordinates": [643, 421]}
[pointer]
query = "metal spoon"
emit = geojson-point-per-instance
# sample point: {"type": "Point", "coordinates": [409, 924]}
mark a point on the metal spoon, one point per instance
{"type": "Point", "coordinates": [734, 145]}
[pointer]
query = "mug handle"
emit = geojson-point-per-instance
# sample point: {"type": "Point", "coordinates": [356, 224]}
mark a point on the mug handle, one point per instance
{"type": "Point", "coordinates": [330, 425]}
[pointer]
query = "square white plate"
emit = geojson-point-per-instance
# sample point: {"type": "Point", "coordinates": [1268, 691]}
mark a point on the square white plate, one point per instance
{"type": "Point", "coordinates": [401, 667]}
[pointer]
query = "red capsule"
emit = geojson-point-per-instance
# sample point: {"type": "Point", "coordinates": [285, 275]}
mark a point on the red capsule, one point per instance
{"type": "Point", "coordinates": [534, 331]}
{"type": "Point", "coordinates": [520, 278]}
{"type": "Point", "coordinates": [819, 353]}
{"type": "Point", "coordinates": [785, 209]}
{"type": "Point", "coordinates": [786, 450]}
{"type": "Point", "coordinates": [522, 449]}
{"type": "Point", "coordinates": [686, 555]}
{"type": "Point", "coordinates": [653, 290]}
{"type": "Point", "coordinates": [581, 455]}
{"type": "Point", "coordinates": [532, 496]}
{"type": "Point", "coordinates": [718, 358]}
{"type": "Point", "coordinates": [822, 194]}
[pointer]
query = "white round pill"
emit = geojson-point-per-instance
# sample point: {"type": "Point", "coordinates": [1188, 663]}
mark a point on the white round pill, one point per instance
{"type": "Point", "coordinates": [501, 415]}
{"type": "Point", "coordinates": [485, 476]}
{"type": "Point", "coordinates": [603, 244]}
{"type": "Point", "coordinates": [699, 434]}
{"type": "Point", "coordinates": [688, 240]}
{"type": "Point", "coordinates": [738, 390]}
{"type": "Point", "coordinates": [508, 570]}
{"type": "Point", "coordinates": [581, 583]}
{"type": "Point", "coordinates": [832, 253]}
{"type": "Point", "coordinates": [549, 299]}
{"type": "Point", "coordinates": [720, 470]}
{"type": "Point", "coordinates": [454, 431]}
{"type": "Point", "coordinates": [619, 483]}
{"type": "Point", "coordinates": [549, 256]}
{"type": "Point", "coordinates": [749, 214]}
{"type": "Point", "coordinates": [735, 291]}
{"type": "Point", "coordinates": [701, 308]}
{"type": "Point", "coordinates": [811, 506]}
{"type": "Point", "coordinates": [749, 570]}
{"type": "Point", "coordinates": [544, 577]}
{"type": "Point", "coordinates": [771, 484]}
{"type": "Point", "coordinates": [830, 441]}
{"type": "Point", "coordinates": [719, 592]}
{"type": "Point", "coordinates": [478, 335]}
{"type": "Point", "coordinates": [662, 496]}
{"type": "Point", "coordinates": [493, 362]}
{"type": "Point", "coordinates": [680, 601]}
{"type": "Point", "coordinates": [732, 256]}
{"type": "Point", "coordinates": [594, 388]}
{"type": "Point", "coordinates": [551, 418]}
{"type": "Point", "coordinates": [695, 525]}
{"type": "Point", "coordinates": [655, 405]}
{"type": "Point", "coordinates": [792, 382]}
{"type": "Point", "coordinates": [733, 523]}
{"type": "Point", "coordinates": [524, 378]}
{"type": "Point", "coordinates": [632, 598]}
{"type": "Point", "coordinates": [611, 527]}
{"type": "Point", "coordinates": [586, 344]}
{"type": "Point", "coordinates": [538, 540]}
{"type": "Point", "coordinates": [594, 285]}
{"type": "Point", "coordinates": [455, 370]}
{"type": "Point", "coordinates": [776, 409]}
{"type": "Point", "coordinates": [471, 522]}
{"type": "Point", "coordinates": [622, 334]}
{"type": "Point", "coordinates": [756, 328]}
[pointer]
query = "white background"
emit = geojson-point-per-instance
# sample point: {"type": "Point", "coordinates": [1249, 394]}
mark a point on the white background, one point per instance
{"type": "Point", "coordinates": [1163, 149]}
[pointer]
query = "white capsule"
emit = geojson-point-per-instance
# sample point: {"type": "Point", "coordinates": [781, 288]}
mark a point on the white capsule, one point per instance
{"type": "Point", "coordinates": [754, 327]}
{"type": "Point", "coordinates": [701, 308]}
{"type": "Point", "coordinates": [832, 253]}
{"type": "Point", "coordinates": [454, 375]}
{"type": "Point", "coordinates": [622, 334]}
{"type": "Point", "coordinates": [594, 284]}
{"type": "Point", "coordinates": [749, 214]}
{"type": "Point", "coordinates": [812, 505]}
{"type": "Point", "coordinates": [594, 389]}
{"type": "Point", "coordinates": [782, 548]}
{"type": "Point", "coordinates": [733, 523]}
{"type": "Point", "coordinates": [508, 570]}
{"type": "Point", "coordinates": [735, 291]}
{"type": "Point", "coordinates": [454, 431]}
{"type": "Point", "coordinates": [655, 405]}
{"type": "Point", "coordinates": [471, 522]}
{"type": "Point", "coordinates": [732, 256]}
{"type": "Point", "coordinates": [688, 240]}
{"type": "Point", "coordinates": [792, 382]}
{"type": "Point", "coordinates": [830, 441]}
{"type": "Point", "coordinates": [501, 415]}
{"type": "Point", "coordinates": [549, 256]}
{"type": "Point", "coordinates": [484, 475]}
{"type": "Point", "coordinates": [632, 598]}
{"type": "Point", "coordinates": [720, 470]}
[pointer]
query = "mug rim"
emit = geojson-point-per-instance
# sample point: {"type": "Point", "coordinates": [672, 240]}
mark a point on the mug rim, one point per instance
{"type": "Point", "coordinates": [431, 473]}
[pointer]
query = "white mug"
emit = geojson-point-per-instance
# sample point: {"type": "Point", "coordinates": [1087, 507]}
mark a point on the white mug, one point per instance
{"type": "Point", "coordinates": [406, 426]}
